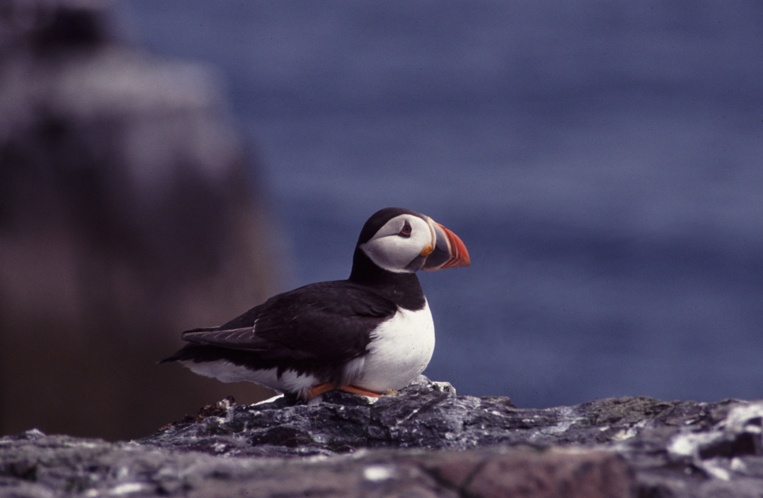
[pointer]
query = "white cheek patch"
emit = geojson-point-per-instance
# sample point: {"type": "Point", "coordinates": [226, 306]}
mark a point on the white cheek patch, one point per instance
{"type": "Point", "coordinates": [387, 254]}
{"type": "Point", "coordinates": [394, 253]}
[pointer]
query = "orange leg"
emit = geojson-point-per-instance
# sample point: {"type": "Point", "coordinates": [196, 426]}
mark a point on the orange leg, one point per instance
{"type": "Point", "coordinates": [327, 386]}
{"type": "Point", "coordinates": [359, 390]}
{"type": "Point", "coordinates": [319, 389]}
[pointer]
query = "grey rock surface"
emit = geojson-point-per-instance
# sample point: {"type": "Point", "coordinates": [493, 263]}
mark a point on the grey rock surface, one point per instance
{"type": "Point", "coordinates": [50, 465]}
{"type": "Point", "coordinates": [424, 441]}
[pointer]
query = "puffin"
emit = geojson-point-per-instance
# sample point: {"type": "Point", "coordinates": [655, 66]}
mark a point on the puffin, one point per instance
{"type": "Point", "coordinates": [371, 334]}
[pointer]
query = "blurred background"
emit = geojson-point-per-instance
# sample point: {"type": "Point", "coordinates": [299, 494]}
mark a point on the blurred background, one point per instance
{"type": "Point", "coordinates": [602, 161]}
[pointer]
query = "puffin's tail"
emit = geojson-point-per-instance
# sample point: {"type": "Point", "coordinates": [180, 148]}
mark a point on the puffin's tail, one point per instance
{"type": "Point", "coordinates": [183, 353]}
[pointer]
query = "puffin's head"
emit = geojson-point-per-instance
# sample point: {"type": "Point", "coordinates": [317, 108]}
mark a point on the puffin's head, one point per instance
{"type": "Point", "coordinates": [404, 241]}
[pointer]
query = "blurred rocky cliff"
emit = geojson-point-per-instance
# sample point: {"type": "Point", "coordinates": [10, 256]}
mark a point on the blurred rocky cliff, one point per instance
{"type": "Point", "coordinates": [128, 212]}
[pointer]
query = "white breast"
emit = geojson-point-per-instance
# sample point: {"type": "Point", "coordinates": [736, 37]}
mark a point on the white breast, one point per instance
{"type": "Point", "coordinates": [400, 350]}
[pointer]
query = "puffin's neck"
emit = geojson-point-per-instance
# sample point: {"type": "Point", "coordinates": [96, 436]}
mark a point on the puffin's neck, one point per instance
{"type": "Point", "coordinates": [403, 289]}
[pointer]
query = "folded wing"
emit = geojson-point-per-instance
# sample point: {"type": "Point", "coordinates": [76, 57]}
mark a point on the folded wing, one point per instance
{"type": "Point", "coordinates": [329, 321]}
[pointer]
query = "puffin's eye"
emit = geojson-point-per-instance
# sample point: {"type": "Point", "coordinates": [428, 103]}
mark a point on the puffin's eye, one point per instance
{"type": "Point", "coordinates": [406, 230]}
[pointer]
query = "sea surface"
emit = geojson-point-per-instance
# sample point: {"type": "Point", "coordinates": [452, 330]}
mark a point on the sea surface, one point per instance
{"type": "Point", "coordinates": [602, 161]}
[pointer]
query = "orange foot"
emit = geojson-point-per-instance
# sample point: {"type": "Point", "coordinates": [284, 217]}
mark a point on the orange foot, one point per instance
{"type": "Point", "coordinates": [327, 386]}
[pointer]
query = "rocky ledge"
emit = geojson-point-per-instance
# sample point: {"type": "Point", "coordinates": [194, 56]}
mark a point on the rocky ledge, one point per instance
{"type": "Point", "coordinates": [423, 441]}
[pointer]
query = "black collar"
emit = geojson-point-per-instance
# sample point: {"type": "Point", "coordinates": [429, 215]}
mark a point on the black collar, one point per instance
{"type": "Point", "coordinates": [403, 289]}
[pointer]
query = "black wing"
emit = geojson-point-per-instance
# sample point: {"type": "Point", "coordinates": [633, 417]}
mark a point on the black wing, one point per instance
{"type": "Point", "coordinates": [324, 322]}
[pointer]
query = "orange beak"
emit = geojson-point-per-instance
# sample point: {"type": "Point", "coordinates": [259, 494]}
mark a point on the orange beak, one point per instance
{"type": "Point", "coordinates": [449, 251]}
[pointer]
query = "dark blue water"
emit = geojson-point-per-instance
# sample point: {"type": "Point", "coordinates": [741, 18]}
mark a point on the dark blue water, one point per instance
{"type": "Point", "coordinates": [603, 162]}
